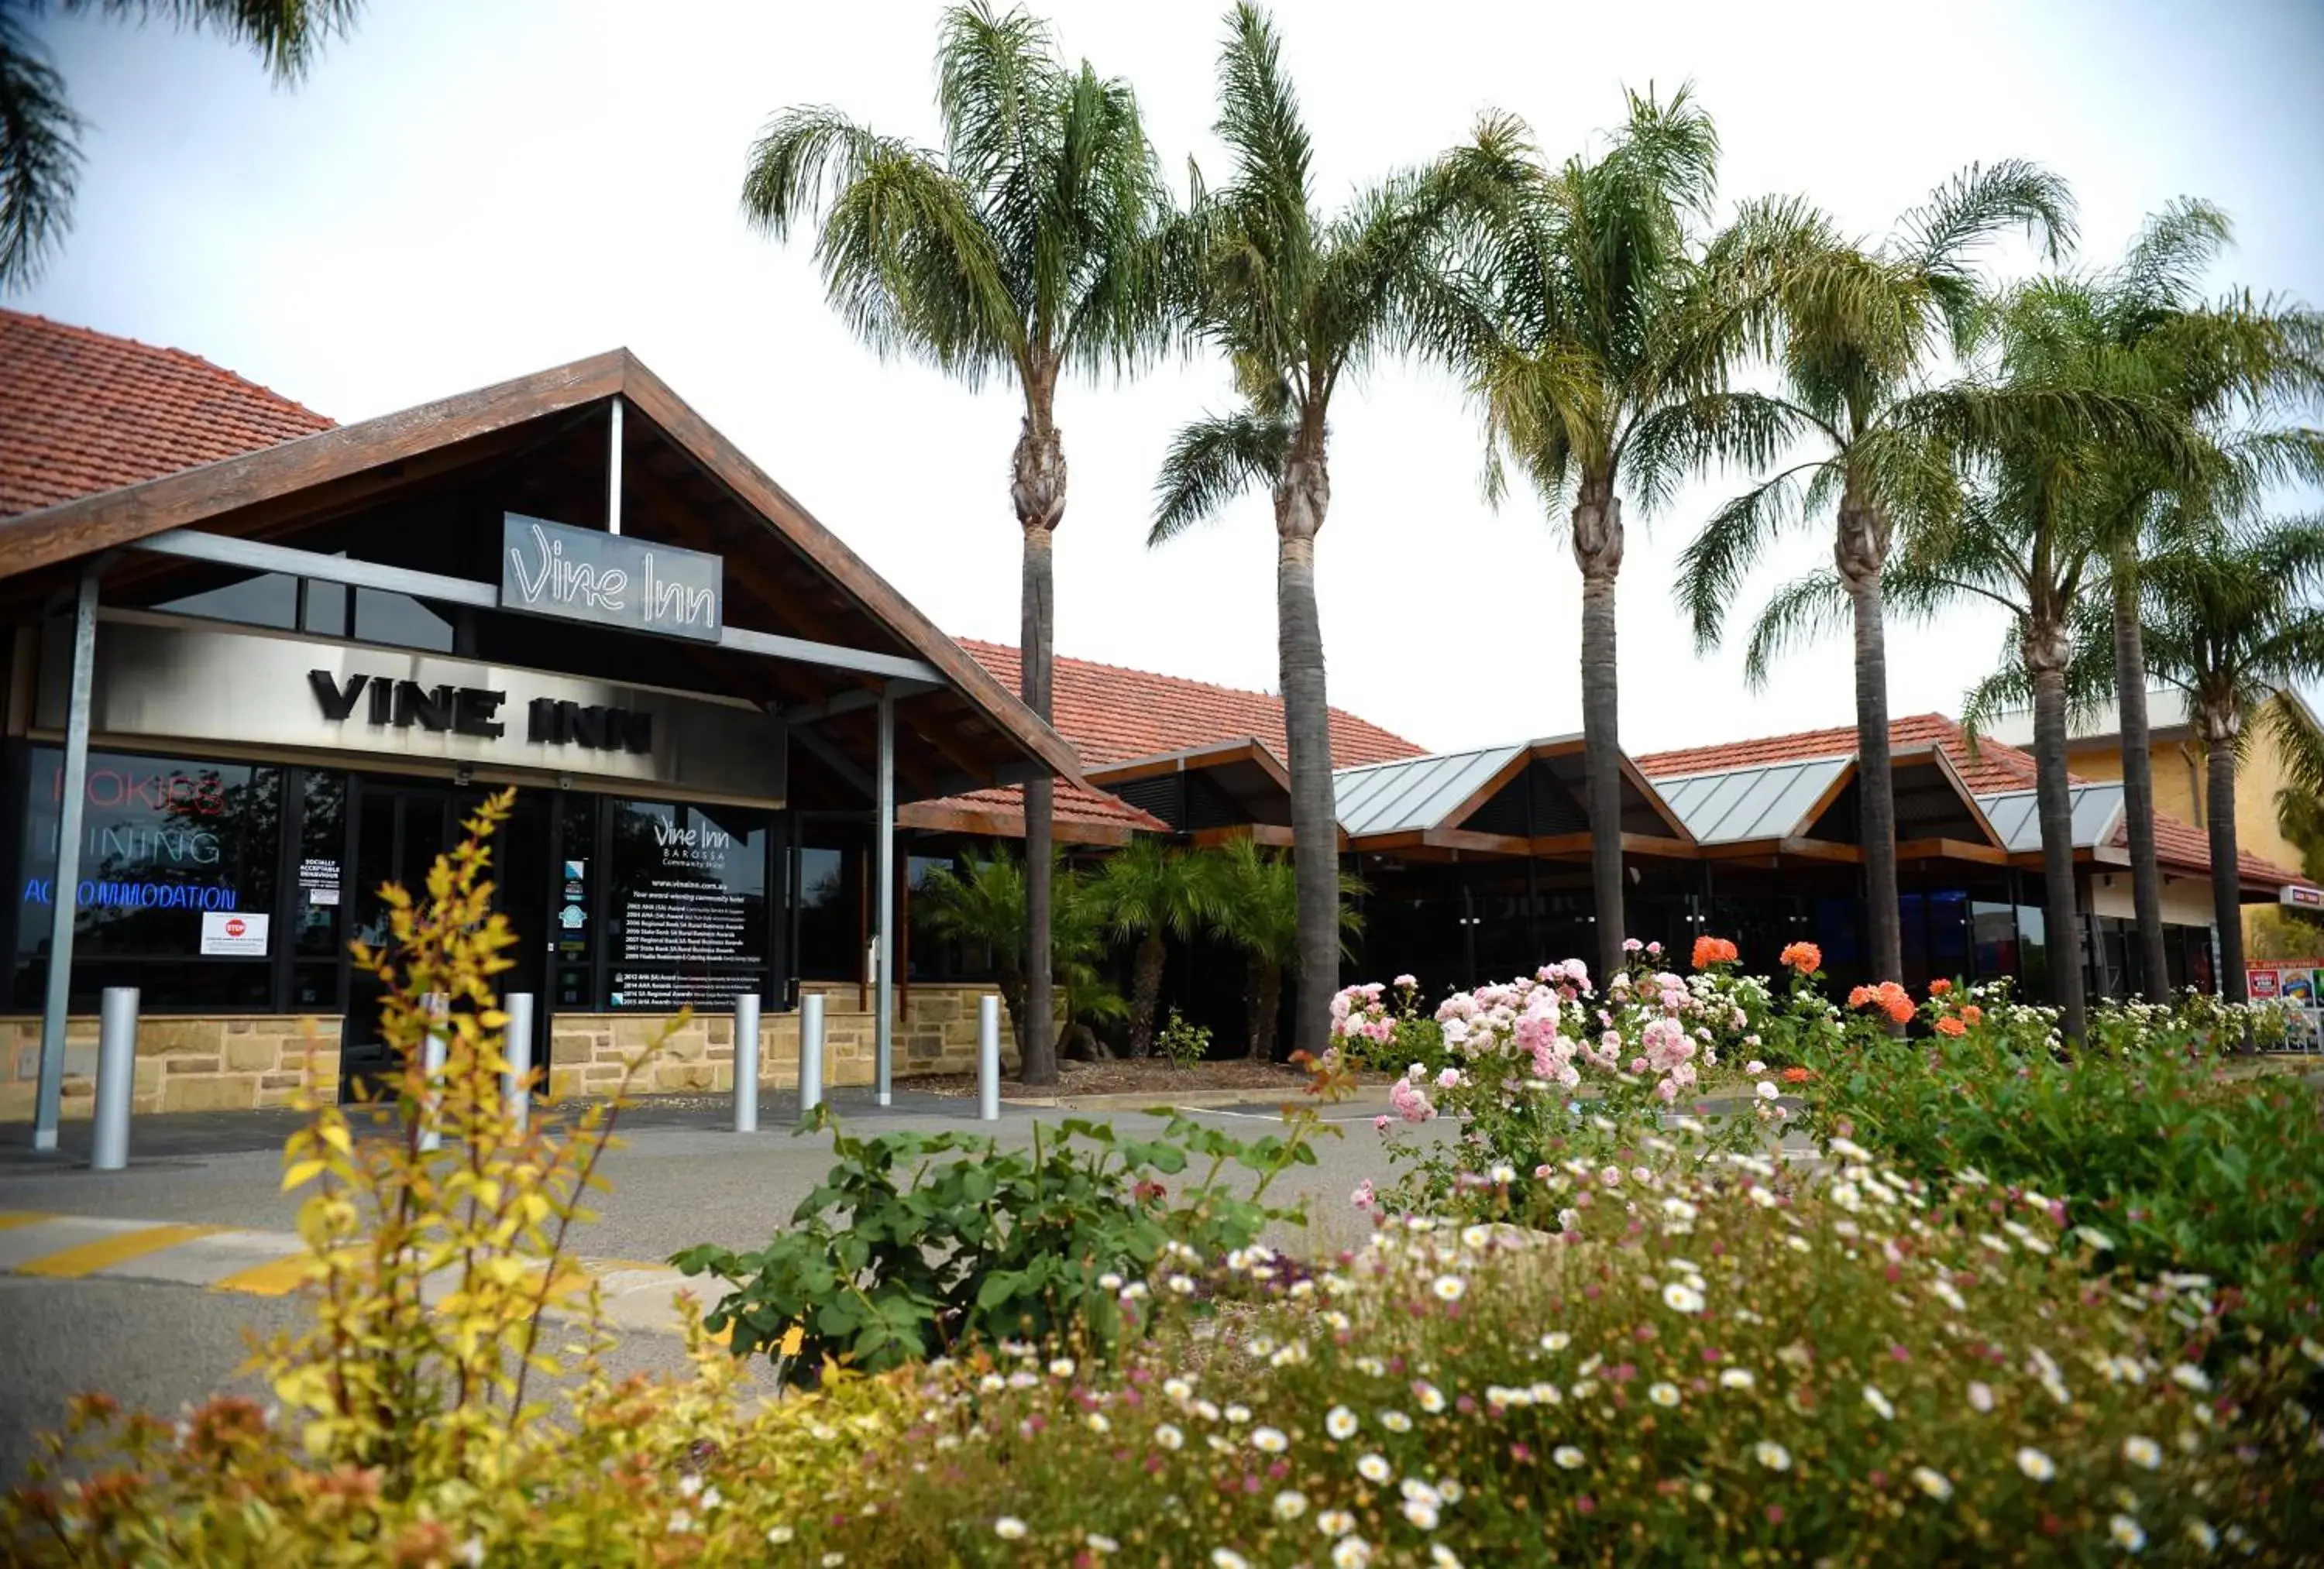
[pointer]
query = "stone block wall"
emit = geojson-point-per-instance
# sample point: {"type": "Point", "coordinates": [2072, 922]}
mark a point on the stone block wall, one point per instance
{"type": "Point", "coordinates": [935, 1033]}
{"type": "Point", "coordinates": [225, 1063]}
{"type": "Point", "coordinates": [242, 1061]}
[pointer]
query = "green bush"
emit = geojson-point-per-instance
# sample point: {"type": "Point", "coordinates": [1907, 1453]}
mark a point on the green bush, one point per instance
{"type": "Point", "coordinates": [1183, 1043]}
{"type": "Point", "coordinates": [2182, 1167]}
{"type": "Point", "coordinates": [896, 1256]}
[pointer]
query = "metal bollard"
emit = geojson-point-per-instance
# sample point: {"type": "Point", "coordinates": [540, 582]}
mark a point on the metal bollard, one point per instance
{"type": "Point", "coordinates": [810, 1052]}
{"type": "Point", "coordinates": [116, 1078]}
{"type": "Point", "coordinates": [988, 1059]}
{"type": "Point", "coordinates": [516, 1045]}
{"type": "Point", "coordinates": [431, 1064]}
{"type": "Point", "coordinates": [746, 1062]}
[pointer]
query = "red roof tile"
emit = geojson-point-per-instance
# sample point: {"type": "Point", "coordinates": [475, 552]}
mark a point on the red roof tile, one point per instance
{"type": "Point", "coordinates": [82, 412]}
{"type": "Point", "coordinates": [1111, 715]}
{"type": "Point", "coordinates": [2182, 848]}
{"type": "Point", "coordinates": [1996, 765]}
{"type": "Point", "coordinates": [1075, 806]}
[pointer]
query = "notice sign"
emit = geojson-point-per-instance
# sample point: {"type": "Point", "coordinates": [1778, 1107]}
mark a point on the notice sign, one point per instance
{"type": "Point", "coordinates": [2298, 987]}
{"type": "Point", "coordinates": [688, 934]}
{"type": "Point", "coordinates": [319, 877]}
{"type": "Point", "coordinates": [547, 569]}
{"type": "Point", "coordinates": [229, 934]}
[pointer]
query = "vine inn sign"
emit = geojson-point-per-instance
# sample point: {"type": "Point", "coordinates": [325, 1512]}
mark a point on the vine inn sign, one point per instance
{"type": "Point", "coordinates": [320, 654]}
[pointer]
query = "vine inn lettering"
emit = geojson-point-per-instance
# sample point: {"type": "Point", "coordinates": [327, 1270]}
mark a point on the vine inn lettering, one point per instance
{"type": "Point", "coordinates": [471, 710]}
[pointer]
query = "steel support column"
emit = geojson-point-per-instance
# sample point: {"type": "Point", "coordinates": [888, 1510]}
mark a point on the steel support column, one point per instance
{"type": "Point", "coordinates": [64, 889]}
{"type": "Point", "coordinates": [614, 471]}
{"type": "Point", "coordinates": [883, 1003]}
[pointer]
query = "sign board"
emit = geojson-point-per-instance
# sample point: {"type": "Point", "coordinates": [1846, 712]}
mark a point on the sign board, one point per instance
{"type": "Point", "coordinates": [233, 934]}
{"type": "Point", "coordinates": [608, 580]}
{"type": "Point", "coordinates": [2301, 898]}
{"type": "Point", "coordinates": [159, 679]}
{"type": "Point", "coordinates": [2298, 985]}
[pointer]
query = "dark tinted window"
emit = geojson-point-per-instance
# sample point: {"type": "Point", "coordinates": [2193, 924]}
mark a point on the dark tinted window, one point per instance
{"type": "Point", "coordinates": [268, 599]}
{"type": "Point", "coordinates": [686, 905]}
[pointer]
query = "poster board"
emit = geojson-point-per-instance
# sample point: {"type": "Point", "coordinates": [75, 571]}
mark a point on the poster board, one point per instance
{"type": "Point", "coordinates": [2299, 983]}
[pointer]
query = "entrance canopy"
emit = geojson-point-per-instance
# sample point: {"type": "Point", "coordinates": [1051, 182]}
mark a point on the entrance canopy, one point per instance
{"type": "Point", "coordinates": [414, 507]}
{"type": "Point", "coordinates": [1523, 801]}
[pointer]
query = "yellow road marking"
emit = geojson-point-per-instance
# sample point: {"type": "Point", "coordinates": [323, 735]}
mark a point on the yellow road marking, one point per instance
{"type": "Point", "coordinates": [10, 1219]}
{"type": "Point", "coordinates": [89, 1257]}
{"type": "Point", "coordinates": [274, 1278]}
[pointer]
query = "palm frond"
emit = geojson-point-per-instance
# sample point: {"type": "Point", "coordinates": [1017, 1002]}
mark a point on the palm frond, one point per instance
{"type": "Point", "coordinates": [287, 34]}
{"type": "Point", "coordinates": [2300, 744]}
{"type": "Point", "coordinates": [1799, 612]}
{"type": "Point", "coordinates": [40, 156]}
{"type": "Point", "coordinates": [1209, 462]}
{"type": "Point", "coordinates": [1713, 566]}
{"type": "Point", "coordinates": [1691, 434]}
{"type": "Point", "coordinates": [2164, 267]}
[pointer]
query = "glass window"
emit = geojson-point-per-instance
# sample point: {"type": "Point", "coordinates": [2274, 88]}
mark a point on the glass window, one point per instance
{"type": "Point", "coordinates": [686, 917]}
{"type": "Point", "coordinates": [177, 888]}
{"type": "Point", "coordinates": [400, 620]}
{"type": "Point", "coordinates": [318, 892]}
{"type": "Point", "coordinates": [831, 929]}
{"type": "Point", "coordinates": [930, 957]}
{"type": "Point", "coordinates": [1993, 938]}
{"type": "Point", "coordinates": [268, 599]}
{"type": "Point", "coordinates": [2034, 953]}
{"type": "Point", "coordinates": [325, 614]}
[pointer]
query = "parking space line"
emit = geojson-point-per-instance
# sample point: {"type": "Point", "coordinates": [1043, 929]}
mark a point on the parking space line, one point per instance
{"type": "Point", "coordinates": [73, 1263]}
{"type": "Point", "coordinates": [274, 1278]}
{"type": "Point", "coordinates": [11, 1218]}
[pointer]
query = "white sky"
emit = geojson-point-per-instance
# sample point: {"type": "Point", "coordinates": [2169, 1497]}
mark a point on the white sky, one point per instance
{"type": "Point", "coordinates": [463, 193]}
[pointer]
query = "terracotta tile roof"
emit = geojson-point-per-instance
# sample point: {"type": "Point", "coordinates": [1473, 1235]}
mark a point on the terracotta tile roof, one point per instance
{"type": "Point", "coordinates": [1077, 806]}
{"type": "Point", "coordinates": [82, 412]}
{"type": "Point", "coordinates": [1111, 714]}
{"type": "Point", "coordinates": [2182, 848]}
{"type": "Point", "coordinates": [1995, 766]}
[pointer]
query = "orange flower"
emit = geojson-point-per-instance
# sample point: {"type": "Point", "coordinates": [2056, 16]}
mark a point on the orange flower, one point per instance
{"type": "Point", "coordinates": [1796, 1075]}
{"type": "Point", "coordinates": [1709, 950]}
{"type": "Point", "coordinates": [1949, 1025]}
{"type": "Point", "coordinates": [1900, 1008]}
{"type": "Point", "coordinates": [1803, 957]}
{"type": "Point", "coordinates": [1973, 1013]}
{"type": "Point", "coordinates": [1940, 986]}
{"type": "Point", "coordinates": [1859, 996]}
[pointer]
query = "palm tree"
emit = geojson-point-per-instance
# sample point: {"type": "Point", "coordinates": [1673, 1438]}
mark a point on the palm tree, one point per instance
{"type": "Point", "coordinates": [1023, 251]}
{"type": "Point", "coordinates": [980, 901]}
{"type": "Point", "coordinates": [1299, 302]}
{"type": "Point", "coordinates": [1148, 893]}
{"type": "Point", "coordinates": [2231, 619]}
{"type": "Point", "coordinates": [1861, 325]}
{"type": "Point", "coordinates": [40, 152]}
{"type": "Point", "coordinates": [2214, 361]}
{"type": "Point", "coordinates": [1603, 325]}
{"type": "Point", "coordinates": [1254, 905]}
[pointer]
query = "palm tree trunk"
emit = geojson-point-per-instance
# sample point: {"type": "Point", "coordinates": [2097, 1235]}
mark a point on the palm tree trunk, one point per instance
{"type": "Point", "coordinates": [2139, 778]}
{"type": "Point", "coordinates": [1860, 550]}
{"type": "Point", "coordinates": [1146, 992]}
{"type": "Point", "coordinates": [1038, 490]}
{"type": "Point", "coordinates": [1263, 1027]}
{"type": "Point", "coordinates": [2226, 882]}
{"type": "Point", "coordinates": [2045, 653]}
{"type": "Point", "coordinates": [1301, 498]}
{"type": "Point", "coordinates": [1598, 551]}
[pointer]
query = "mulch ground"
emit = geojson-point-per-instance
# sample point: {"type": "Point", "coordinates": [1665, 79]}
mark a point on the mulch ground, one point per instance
{"type": "Point", "coordinates": [1132, 1076]}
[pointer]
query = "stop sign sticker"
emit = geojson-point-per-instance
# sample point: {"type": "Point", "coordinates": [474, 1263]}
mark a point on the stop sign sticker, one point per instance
{"type": "Point", "coordinates": [227, 934]}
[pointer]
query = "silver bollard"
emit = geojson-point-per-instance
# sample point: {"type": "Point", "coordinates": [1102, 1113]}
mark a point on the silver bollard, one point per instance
{"type": "Point", "coordinates": [116, 1078]}
{"type": "Point", "coordinates": [810, 1052]}
{"type": "Point", "coordinates": [431, 1065]}
{"type": "Point", "coordinates": [516, 1045]}
{"type": "Point", "coordinates": [746, 1063]}
{"type": "Point", "coordinates": [988, 1059]}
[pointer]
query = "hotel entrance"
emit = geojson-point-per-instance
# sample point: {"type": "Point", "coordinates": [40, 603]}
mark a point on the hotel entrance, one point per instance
{"type": "Point", "coordinates": [396, 831]}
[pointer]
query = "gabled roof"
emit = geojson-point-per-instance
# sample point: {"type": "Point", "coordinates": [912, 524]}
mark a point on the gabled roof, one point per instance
{"type": "Point", "coordinates": [1995, 766]}
{"type": "Point", "coordinates": [2016, 817]}
{"type": "Point", "coordinates": [1754, 802]}
{"type": "Point", "coordinates": [85, 411]}
{"type": "Point", "coordinates": [678, 473]}
{"type": "Point", "coordinates": [1446, 793]}
{"type": "Point", "coordinates": [1112, 715]}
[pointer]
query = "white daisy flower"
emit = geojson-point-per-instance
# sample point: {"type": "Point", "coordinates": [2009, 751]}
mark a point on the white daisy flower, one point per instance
{"type": "Point", "coordinates": [2145, 1453]}
{"type": "Point", "coordinates": [1735, 1378]}
{"type": "Point", "coordinates": [1270, 1440]}
{"type": "Point", "coordinates": [1009, 1529]}
{"type": "Point", "coordinates": [1184, 1285]}
{"type": "Point", "coordinates": [1555, 1341]}
{"type": "Point", "coordinates": [2036, 1465]}
{"type": "Point", "coordinates": [1395, 1421]}
{"type": "Point", "coordinates": [1335, 1522]}
{"type": "Point", "coordinates": [1228, 1558]}
{"type": "Point", "coordinates": [1879, 1402]}
{"type": "Point", "coordinates": [1935, 1483]}
{"type": "Point", "coordinates": [1443, 1556]}
{"type": "Point", "coordinates": [1449, 1288]}
{"type": "Point", "coordinates": [1178, 1389]}
{"type": "Point", "coordinates": [1237, 1414]}
{"type": "Point", "coordinates": [2127, 1534]}
{"type": "Point", "coordinates": [1679, 1297]}
{"type": "Point", "coordinates": [1341, 1423]}
{"type": "Point", "coordinates": [779, 1535]}
{"type": "Point", "coordinates": [1290, 1505]}
{"type": "Point", "coordinates": [1431, 1397]}
{"type": "Point", "coordinates": [1421, 1513]}
{"type": "Point", "coordinates": [2202, 1536]}
{"type": "Point", "coordinates": [1567, 1456]}
{"type": "Point", "coordinates": [1101, 1545]}
{"type": "Point", "coordinates": [1373, 1469]}
{"type": "Point", "coordinates": [1168, 1436]}
{"type": "Point", "coordinates": [1980, 1397]}
{"type": "Point", "coordinates": [1061, 1367]}
{"type": "Point", "coordinates": [1351, 1553]}
{"type": "Point", "coordinates": [1772, 1455]}
{"type": "Point", "coordinates": [2191, 1376]}
{"type": "Point", "coordinates": [1663, 1394]}
{"type": "Point", "coordinates": [1096, 1422]}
